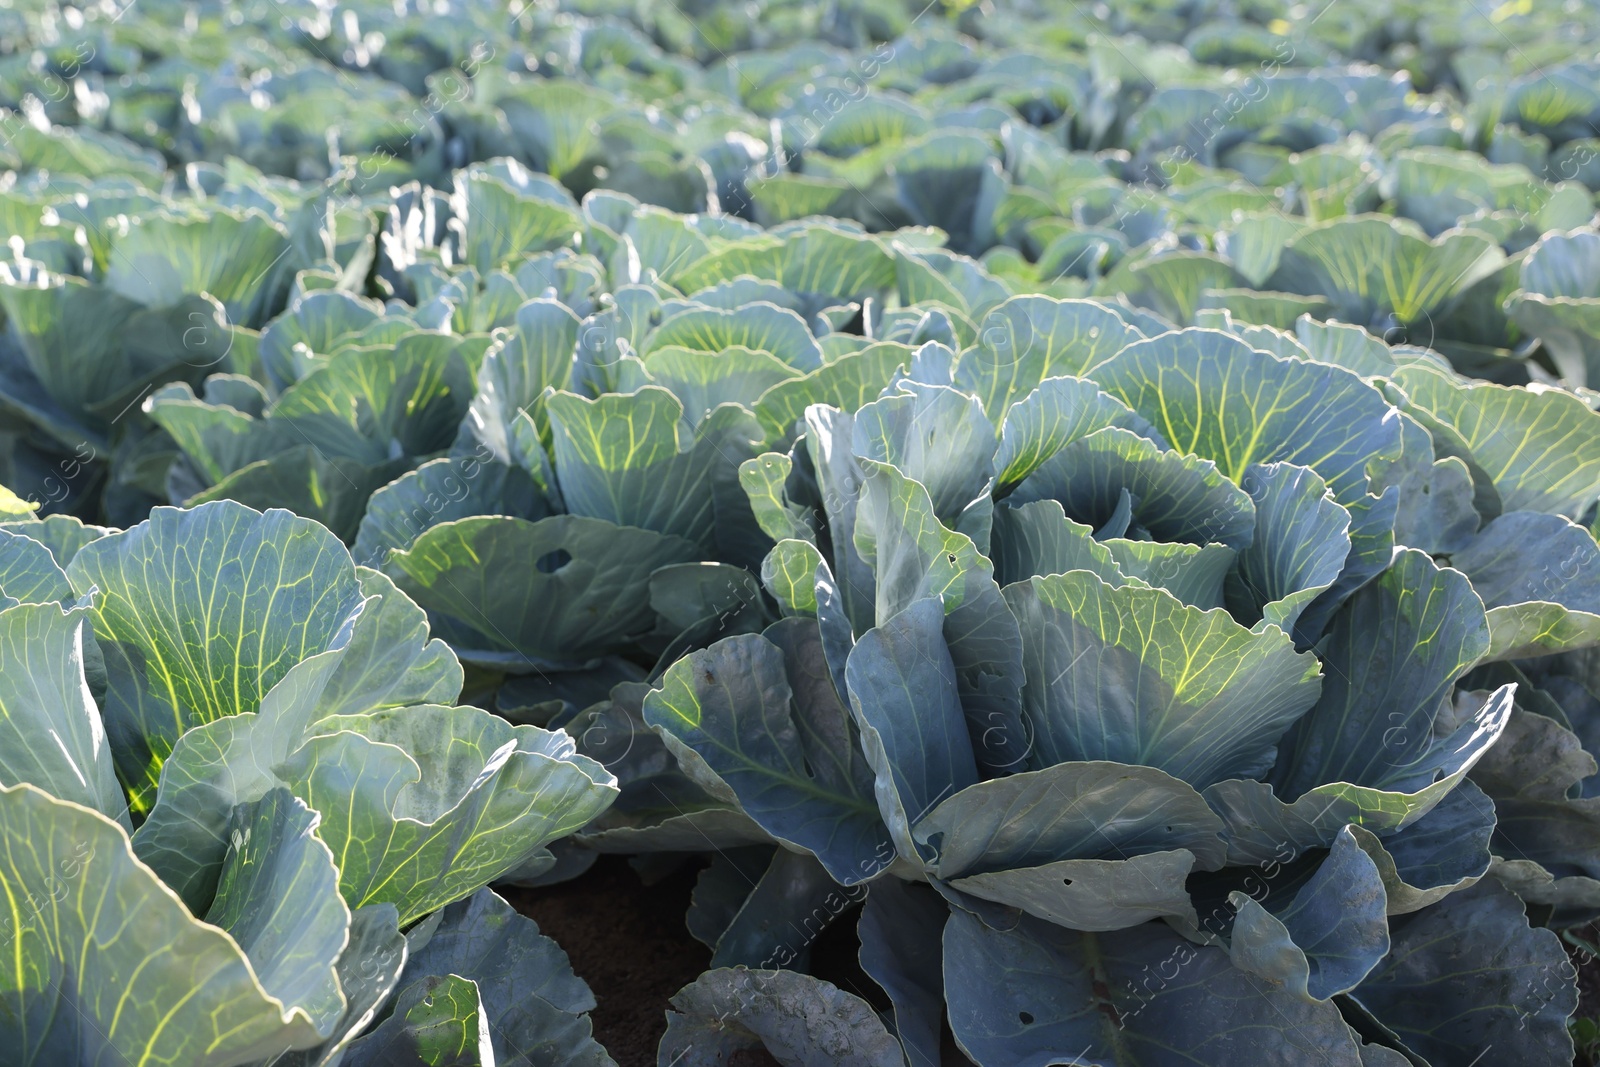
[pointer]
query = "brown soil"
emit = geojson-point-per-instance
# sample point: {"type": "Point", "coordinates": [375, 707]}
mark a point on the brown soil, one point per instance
{"type": "Point", "coordinates": [1588, 966]}
{"type": "Point", "coordinates": [628, 941]}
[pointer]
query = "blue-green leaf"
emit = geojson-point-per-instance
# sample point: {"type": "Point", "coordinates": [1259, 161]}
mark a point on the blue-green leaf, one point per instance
{"type": "Point", "coordinates": [759, 714]}
{"type": "Point", "coordinates": [200, 613]}
{"type": "Point", "coordinates": [50, 730]}
{"type": "Point", "coordinates": [1448, 998]}
{"type": "Point", "coordinates": [1328, 937]}
{"type": "Point", "coordinates": [1041, 994]}
{"type": "Point", "coordinates": [902, 687]}
{"type": "Point", "coordinates": [1135, 676]}
{"type": "Point", "coordinates": [86, 915]}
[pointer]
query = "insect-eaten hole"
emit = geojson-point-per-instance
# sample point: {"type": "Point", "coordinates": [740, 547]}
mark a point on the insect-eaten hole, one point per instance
{"type": "Point", "coordinates": [1026, 1017]}
{"type": "Point", "coordinates": [1066, 881]}
{"type": "Point", "coordinates": [551, 562]}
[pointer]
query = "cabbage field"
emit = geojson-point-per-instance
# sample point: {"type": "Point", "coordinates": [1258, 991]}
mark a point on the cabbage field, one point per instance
{"type": "Point", "coordinates": [829, 533]}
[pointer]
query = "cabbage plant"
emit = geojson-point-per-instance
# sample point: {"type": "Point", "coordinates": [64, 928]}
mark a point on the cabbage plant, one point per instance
{"type": "Point", "coordinates": [245, 822]}
{"type": "Point", "coordinates": [1234, 731]}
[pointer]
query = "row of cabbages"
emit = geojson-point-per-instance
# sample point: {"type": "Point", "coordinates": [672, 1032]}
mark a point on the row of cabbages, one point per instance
{"type": "Point", "coordinates": [931, 470]}
{"type": "Point", "coordinates": [1243, 676]}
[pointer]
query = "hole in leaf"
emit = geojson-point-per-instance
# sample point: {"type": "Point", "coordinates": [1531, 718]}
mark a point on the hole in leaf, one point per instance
{"type": "Point", "coordinates": [551, 562]}
{"type": "Point", "coordinates": [1066, 881]}
{"type": "Point", "coordinates": [1026, 1017]}
{"type": "Point", "coordinates": [952, 557]}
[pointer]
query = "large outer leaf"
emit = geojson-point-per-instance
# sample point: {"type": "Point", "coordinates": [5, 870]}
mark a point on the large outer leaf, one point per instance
{"type": "Point", "coordinates": [1539, 447]}
{"type": "Point", "coordinates": [901, 949]}
{"type": "Point", "coordinates": [63, 535]}
{"type": "Point", "coordinates": [763, 327]}
{"type": "Point", "coordinates": [1391, 658]}
{"type": "Point", "coordinates": [163, 258]}
{"type": "Point", "coordinates": [374, 403]}
{"type": "Point", "coordinates": [1539, 576]}
{"type": "Point", "coordinates": [1094, 809]}
{"type": "Point", "coordinates": [1468, 975]}
{"type": "Point", "coordinates": [69, 333]}
{"type": "Point", "coordinates": [1091, 846]}
{"type": "Point", "coordinates": [1445, 850]}
{"type": "Point", "coordinates": [389, 661]}
{"type": "Point", "coordinates": [621, 458]}
{"type": "Point", "coordinates": [368, 970]}
{"type": "Point", "coordinates": [1171, 283]}
{"type": "Point", "coordinates": [311, 483]}
{"type": "Point", "coordinates": [1260, 824]}
{"type": "Point", "coordinates": [29, 573]}
{"type": "Point", "coordinates": [425, 805]}
{"type": "Point", "coordinates": [85, 919]}
{"type": "Point", "coordinates": [1212, 394]}
{"type": "Point", "coordinates": [1557, 303]}
{"type": "Point", "coordinates": [488, 572]}
{"type": "Point", "coordinates": [1546, 840]}
{"type": "Point", "coordinates": [760, 717]}
{"type": "Point", "coordinates": [723, 887]}
{"type": "Point", "coordinates": [442, 490]}
{"type": "Point", "coordinates": [902, 690]}
{"type": "Point", "coordinates": [1030, 338]}
{"type": "Point", "coordinates": [1345, 345]}
{"type": "Point", "coordinates": [201, 612]}
{"type": "Point", "coordinates": [1135, 676]}
{"type": "Point", "coordinates": [278, 898]}
{"type": "Point", "coordinates": [661, 807]}
{"type": "Point", "coordinates": [50, 730]}
{"type": "Point", "coordinates": [1372, 266]}
{"type": "Point", "coordinates": [1144, 997]}
{"type": "Point", "coordinates": [1325, 939]}
{"type": "Point", "coordinates": [792, 901]}
{"type": "Point", "coordinates": [217, 438]}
